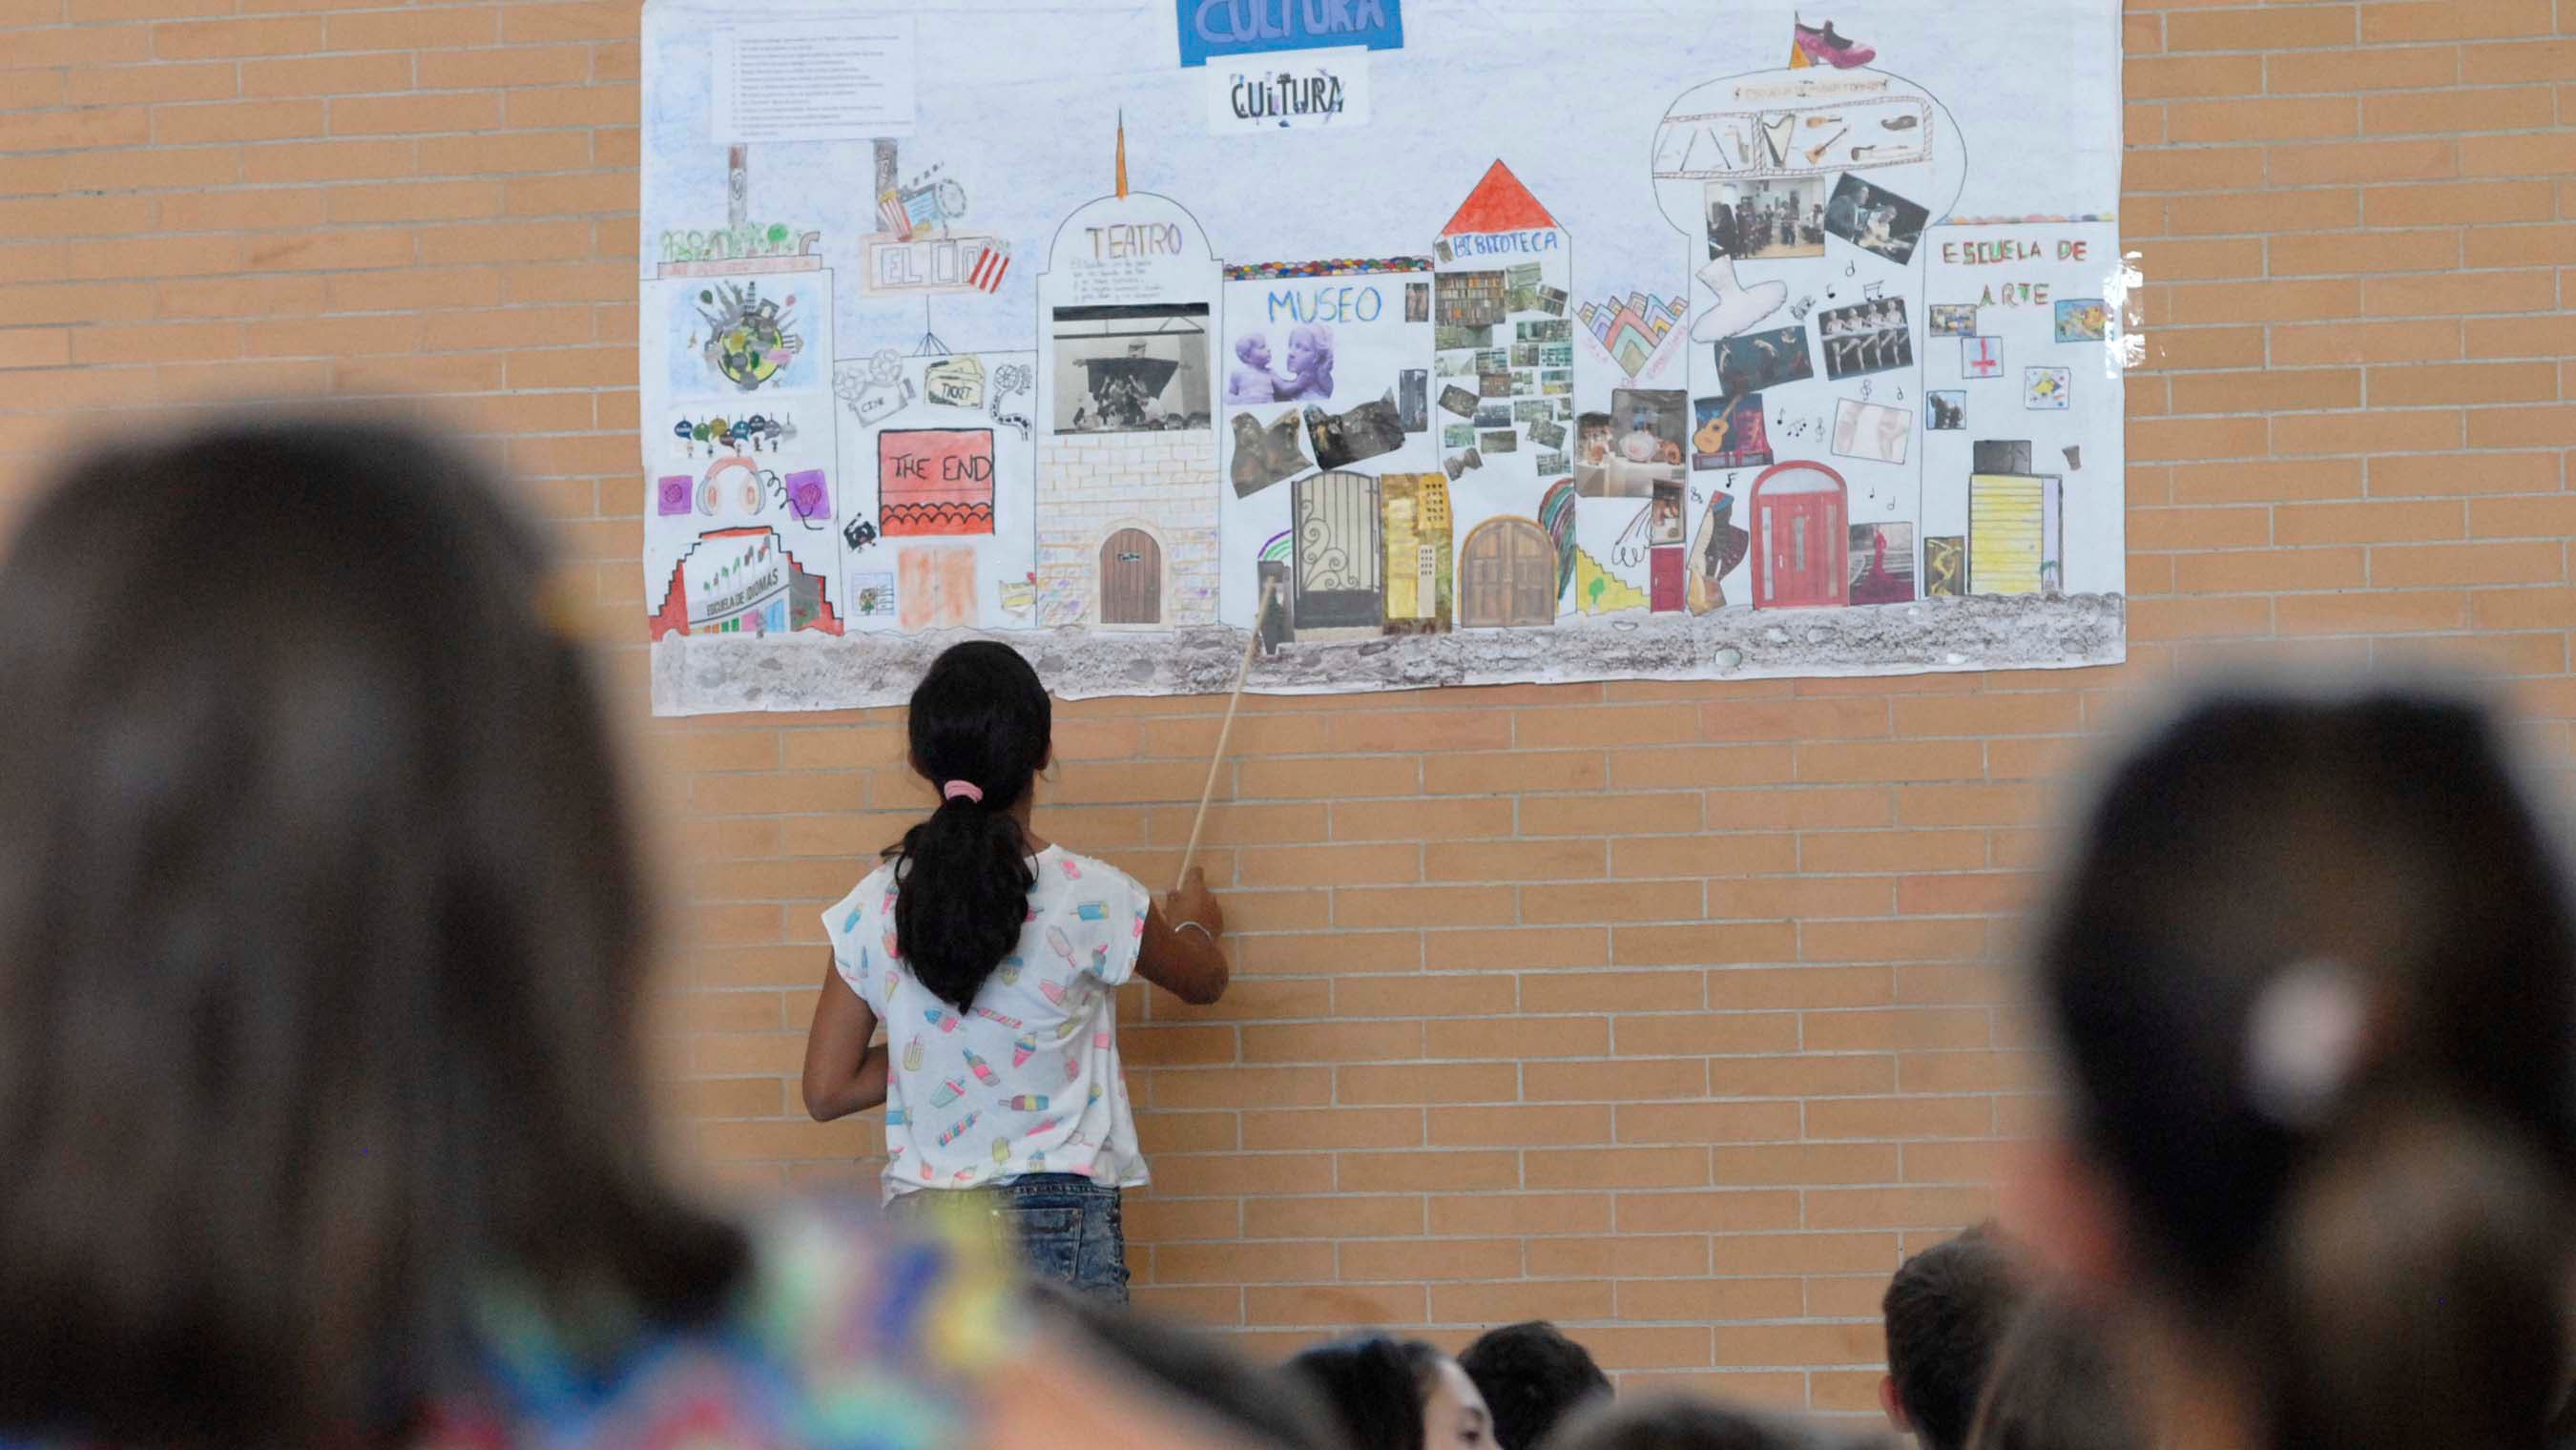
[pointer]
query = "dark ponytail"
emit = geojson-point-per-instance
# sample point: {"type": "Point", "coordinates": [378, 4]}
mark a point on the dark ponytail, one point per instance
{"type": "Point", "coordinates": [980, 726]}
{"type": "Point", "coordinates": [2312, 971]}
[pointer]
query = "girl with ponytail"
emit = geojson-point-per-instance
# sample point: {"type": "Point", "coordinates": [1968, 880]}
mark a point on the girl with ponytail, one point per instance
{"type": "Point", "coordinates": [993, 958]}
{"type": "Point", "coordinates": [2311, 972]}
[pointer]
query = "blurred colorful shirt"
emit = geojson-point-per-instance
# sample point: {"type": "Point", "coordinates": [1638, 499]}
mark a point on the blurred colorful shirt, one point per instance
{"type": "Point", "coordinates": [847, 1336]}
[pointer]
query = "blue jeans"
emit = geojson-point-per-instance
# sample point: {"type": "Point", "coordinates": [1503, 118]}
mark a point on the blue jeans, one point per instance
{"type": "Point", "coordinates": [1069, 1229]}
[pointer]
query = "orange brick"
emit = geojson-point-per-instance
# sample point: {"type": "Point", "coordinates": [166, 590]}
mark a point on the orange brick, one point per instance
{"type": "Point", "coordinates": [96, 85]}
{"type": "Point", "coordinates": [329, 75]}
{"type": "Point", "coordinates": [2279, 390]}
{"type": "Point", "coordinates": [2317, 253]}
{"type": "Point", "coordinates": [525, 65]}
{"type": "Point", "coordinates": [2395, 386]}
{"type": "Point", "coordinates": [2520, 427]}
{"type": "Point", "coordinates": [1685, 1167]}
{"type": "Point", "coordinates": [2313, 209]}
{"type": "Point", "coordinates": [2271, 119]}
{"type": "Point", "coordinates": [2145, 78]}
{"type": "Point", "coordinates": [74, 130]}
{"type": "Point", "coordinates": [2421, 431]}
{"type": "Point", "coordinates": [1446, 1170]}
{"type": "Point", "coordinates": [406, 29]}
{"type": "Point", "coordinates": [327, 161]}
{"type": "Point", "coordinates": [2438, 564]}
{"type": "Point", "coordinates": [2452, 20]}
{"type": "Point", "coordinates": [2297, 72]}
{"type": "Point", "coordinates": [2466, 293]}
{"type": "Point", "coordinates": [2254, 571]}
{"type": "Point", "coordinates": [1900, 1118]}
{"type": "Point", "coordinates": [266, 208]}
{"type": "Point", "coordinates": [469, 154]}
{"type": "Point", "coordinates": [2367, 523]}
{"type": "Point", "coordinates": [2420, 112]}
{"type": "Point", "coordinates": [2325, 164]}
{"type": "Point", "coordinates": [209, 39]}
{"type": "Point", "coordinates": [1330, 1306]}
{"type": "Point", "coordinates": [413, 115]}
{"type": "Point", "coordinates": [1501, 772]}
{"type": "Point", "coordinates": [2375, 611]}
{"type": "Point", "coordinates": [1706, 1122]}
{"type": "Point", "coordinates": [2546, 153]}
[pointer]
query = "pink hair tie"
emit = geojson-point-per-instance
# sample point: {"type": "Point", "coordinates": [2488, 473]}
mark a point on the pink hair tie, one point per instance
{"type": "Point", "coordinates": [957, 788]}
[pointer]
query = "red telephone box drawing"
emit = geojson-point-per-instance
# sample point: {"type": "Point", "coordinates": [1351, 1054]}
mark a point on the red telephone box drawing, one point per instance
{"type": "Point", "coordinates": [1801, 544]}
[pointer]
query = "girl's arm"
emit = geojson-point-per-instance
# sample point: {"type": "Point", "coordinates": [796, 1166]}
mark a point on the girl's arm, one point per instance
{"type": "Point", "coordinates": [1180, 952]}
{"type": "Point", "coordinates": [843, 1074]}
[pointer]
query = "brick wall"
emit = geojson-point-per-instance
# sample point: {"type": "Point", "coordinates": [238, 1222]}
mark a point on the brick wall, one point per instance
{"type": "Point", "coordinates": [1100, 483]}
{"type": "Point", "coordinates": [1656, 1008]}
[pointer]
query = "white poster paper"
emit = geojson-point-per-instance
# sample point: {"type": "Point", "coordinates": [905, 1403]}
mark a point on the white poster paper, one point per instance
{"type": "Point", "coordinates": [812, 80]}
{"type": "Point", "coordinates": [1772, 349]}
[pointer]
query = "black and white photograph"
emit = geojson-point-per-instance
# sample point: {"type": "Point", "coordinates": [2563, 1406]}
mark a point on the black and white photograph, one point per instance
{"type": "Point", "coordinates": [1872, 337]}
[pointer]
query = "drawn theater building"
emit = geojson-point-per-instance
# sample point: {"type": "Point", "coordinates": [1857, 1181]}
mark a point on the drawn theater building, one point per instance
{"type": "Point", "coordinates": [1127, 526]}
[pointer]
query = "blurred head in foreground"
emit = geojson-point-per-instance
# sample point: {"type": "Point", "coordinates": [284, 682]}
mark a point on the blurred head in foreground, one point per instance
{"type": "Point", "coordinates": [2308, 969]}
{"type": "Point", "coordinates": [1531, 1376]}
{"type": "Point", "coordinates": [1396, 1394]}
{"type": "Point", "coordinates": [1946, 1311]}
{"type": "Point", "coordinates": [320, 939]}
{"type": "Point", "coordinates": [1685, 1422]}
{"type": "Point", "coordinates": [2061, 1381]}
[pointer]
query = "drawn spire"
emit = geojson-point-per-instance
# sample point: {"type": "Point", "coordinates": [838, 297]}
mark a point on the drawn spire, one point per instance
{"type": "Point", "coordinates": [1122, 152]}
{"type": "Point", "coordinates": [1499, 204]}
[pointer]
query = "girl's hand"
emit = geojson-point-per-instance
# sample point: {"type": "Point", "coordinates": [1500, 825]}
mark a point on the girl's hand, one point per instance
{"type": "Point", "coordinates": [1192, 901]}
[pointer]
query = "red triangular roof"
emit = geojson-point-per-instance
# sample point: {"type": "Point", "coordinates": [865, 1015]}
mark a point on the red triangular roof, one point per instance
{"type": "Point", "coordinates": [1499, 204]}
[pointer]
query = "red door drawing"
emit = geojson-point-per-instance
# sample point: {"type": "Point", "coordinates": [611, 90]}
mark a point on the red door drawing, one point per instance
{"type": "Point", "coordinates": [1801, 545]}
{"type": "Point", "coordinates": [1131, 579]}
{"type": "Point", "coordinates": [1507, 576]}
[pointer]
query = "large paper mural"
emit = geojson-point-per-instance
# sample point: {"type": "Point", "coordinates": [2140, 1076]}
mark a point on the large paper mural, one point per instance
{"type": "Point", "coordinates": [1438, 342]}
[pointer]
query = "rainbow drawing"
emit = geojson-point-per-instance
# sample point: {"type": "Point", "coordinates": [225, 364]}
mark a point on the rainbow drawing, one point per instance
{"type": "Point", "coordinates": [983, 1070]}
{"type": "Point", "coordinates": [948, 1091]}
{"type": "Point", "coordinates": [1027, 1103]}
{"type": "Point", "coordinates": [957, 1130]}
{"type": "Point", "coordinates": [1023, 1048]}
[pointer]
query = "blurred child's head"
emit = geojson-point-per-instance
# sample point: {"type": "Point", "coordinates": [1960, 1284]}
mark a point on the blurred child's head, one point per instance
{"type": "Point", "coordinates": [322, 941]}
{"type": "Point", "coordinates": [2061, 1381]}
{"type": "Point", "coordinates": [1686, 1422]}
{"type": "Point", "coordinates": [1531, 1376]}
{"type": "Point", "coordinates": [981, 729]}
{"type": "Point", "coordinates": [1946, 1310]}
{"type": "Point", "coordinates": [2311, 969]}
{"type": "Point", "coordinates": [1257, 1404]}
{"type": "Point", "coordinates": [1390, 1394]}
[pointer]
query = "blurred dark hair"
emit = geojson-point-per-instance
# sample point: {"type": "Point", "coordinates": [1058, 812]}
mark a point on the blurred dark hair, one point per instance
{"type": "Point", "coordinates": [2061, 1381]}
{"type": "Point", "coordinates": [1259, 1404]}
{"type": "Point", "coordinates": [1667, 1421]}
{"type": "Point", "coordinates": [1946, 1310]}
{"type": "Point", "coordinates": [2375, 1214]}
{"type": "Point", "coordinates": [321, 945]}
{"type": "Point", "coordinates": [1376, 1387]}
{"type": "Point", "coordinates": [963, 876]}
{"type": "Point", "coordinates": [1531, 1376]}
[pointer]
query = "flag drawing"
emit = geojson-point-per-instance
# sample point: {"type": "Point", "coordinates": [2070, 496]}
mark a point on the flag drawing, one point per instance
{"type": "Point", "coordinates": [990, 266]}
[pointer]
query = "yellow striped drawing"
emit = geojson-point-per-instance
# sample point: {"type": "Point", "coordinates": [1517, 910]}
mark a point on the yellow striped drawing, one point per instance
{"type": "Point", "coordinates": [2007, 514]}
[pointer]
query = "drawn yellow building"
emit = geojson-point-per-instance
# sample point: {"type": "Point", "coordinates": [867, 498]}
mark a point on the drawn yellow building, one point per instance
{"type": "Point", "coordinates": [2014, 526]}
{"type": "Point", "coordinates": [1417, 549]}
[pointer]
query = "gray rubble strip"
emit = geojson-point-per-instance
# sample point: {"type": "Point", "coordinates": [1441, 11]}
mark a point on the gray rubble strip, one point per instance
{"type": "Point", "coordinates": [808, 671]}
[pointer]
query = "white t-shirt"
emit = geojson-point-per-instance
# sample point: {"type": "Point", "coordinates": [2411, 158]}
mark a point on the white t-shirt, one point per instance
{"type": "Point", "coordinates": [1027, 1082]}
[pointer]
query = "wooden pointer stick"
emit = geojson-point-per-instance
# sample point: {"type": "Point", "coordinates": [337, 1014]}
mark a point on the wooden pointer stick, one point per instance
{"type": "Point", "coordinates": [1225, 732]}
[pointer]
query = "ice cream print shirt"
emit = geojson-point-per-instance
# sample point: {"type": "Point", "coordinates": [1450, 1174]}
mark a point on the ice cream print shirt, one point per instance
{"type": "Point", "coordinates": [1028, 1081]}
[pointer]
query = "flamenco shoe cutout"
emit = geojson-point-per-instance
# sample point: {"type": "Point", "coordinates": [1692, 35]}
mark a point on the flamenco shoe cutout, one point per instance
{"type": "Point", "coordinates": [1738, 307]}
{"type": "Point", "coordinates": [1823, 43]}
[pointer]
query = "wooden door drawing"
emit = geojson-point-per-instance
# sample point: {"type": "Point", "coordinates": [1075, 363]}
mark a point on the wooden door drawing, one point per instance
{"type": "Point", "coordinates": [1340, 570]}
{"type": "Point", "coordinates": [1131, 579]}
{"type": "Point", "coordinates": [1801, 543]}
{"type": "Point", "coordinates": [1507, 576]}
